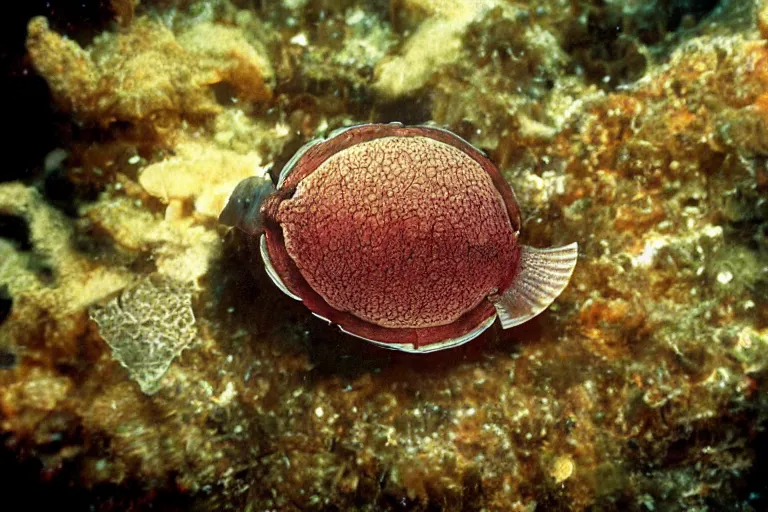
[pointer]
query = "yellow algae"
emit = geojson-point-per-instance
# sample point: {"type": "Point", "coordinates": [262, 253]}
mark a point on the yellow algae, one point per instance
{"type": "Point", "coordinates": [144, 74]}
{"type": "Point", "coordinates": [224, 55]}
{"type": "Point", "coordinates": [179, 249]}
{"type": "Point", "coordinates": [435, 44]}
{"type": "Point", "coordinates": [78, 280]}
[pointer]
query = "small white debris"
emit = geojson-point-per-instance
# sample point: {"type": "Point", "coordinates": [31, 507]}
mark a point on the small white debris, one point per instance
{"type": "Point", "coordinates": [300, 39]}
{"type": "Point", "coordinates": [744, 339]}
{"type": "Point", "coordinates": [651, 247]}
{"type": "Point", "coordinates": [712, 231]}
{"type": "Point", "coordinates": [55, 159]}
{"type": "Point", "coordinates": [134, 159]}
{"type": "Point", "coordinates": [355, 17]}
{"type": "Point", "coordinates": [226, 396]}
{"type": "Point", "coordinates": [282, 130]}
{"type": "Point", "coordinates": [724, 277]}
{"type": "Point", "coordinates": [319, 412]}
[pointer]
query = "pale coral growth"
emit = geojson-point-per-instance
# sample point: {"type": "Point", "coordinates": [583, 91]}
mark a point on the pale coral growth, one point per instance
{"type": "Point", "coordinates": [234, 129]}
{"type": "Point", "coordinates": [54, 279]}
{"type": "Point", "coordinates": [410, 13]}
{"type": "Point", "coordinates": [435, 44]}
{"type": "Point", "coordinates": [146, 327]}
{"type": "Point", "coordinates": [513, 68]}
{"type": "Point", "coordinates": [368, 41]}
{"type": "Point", "coordinates": [36, 395]}
{"type": "Point", "coordinates": [183, 252]}
{"type": "Point", "coordinates": [71, 74]}
{"type": "Point", "coordinates": [180, 250]}
{"type": "Point", "coordinates": [224, 55]}
{"type": "Point", "coordinates": [130, 76]}
{"type": "Point", "coordinates": [145, 74]}
{"type": "Point", "coordinates": [751, 348]}
{"type": "Point", "coordinates": [201, 173]}
{"type": "Point", "coordinates": [125, 221]}
{"type": "Point", "coordinates": [487, 66]}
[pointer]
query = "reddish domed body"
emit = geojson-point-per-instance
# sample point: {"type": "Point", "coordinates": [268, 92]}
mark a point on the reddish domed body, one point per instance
{"type": "Point", "coordinates": [404, 236]}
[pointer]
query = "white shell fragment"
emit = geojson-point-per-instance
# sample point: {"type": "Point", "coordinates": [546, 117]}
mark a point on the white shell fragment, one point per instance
{"type": "Point", "coordinates": [146, 327]}
{"type": "Point", "coordinates": [544, 274]}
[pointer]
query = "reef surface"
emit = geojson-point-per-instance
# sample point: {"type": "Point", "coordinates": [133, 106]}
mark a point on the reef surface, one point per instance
{"type": "Point", "coordinates": [146, 360]}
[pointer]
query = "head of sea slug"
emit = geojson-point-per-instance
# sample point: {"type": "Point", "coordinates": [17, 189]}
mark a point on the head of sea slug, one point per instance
{"type": "Point", "coordinates": [405, 236]}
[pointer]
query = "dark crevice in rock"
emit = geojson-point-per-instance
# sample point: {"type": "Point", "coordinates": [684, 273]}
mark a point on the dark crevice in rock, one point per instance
{"type": "Point", "coordinates": [412, 111]}
{"type": "Point", "coordinates": [755, 485]}
{"type": "Point", "coordinates": [682, 12]}
{"type": "Point", "coordinates": [225, 94]}
{"type": "Point", "coordinates": [8, 359]}
{"type": "Point", "coordinates": [60, 192]}
{"type": "Point", "coordinates": [6, 303]}
{"type": "Point", "coordinates": [67, 185]}
{"type": "Point", "coordinates": [49, 481]}
{"type": "Point", "coordinates": [603, 52]}
{"type": "Point", "coordinates": [15, 229]}
{"type": "Point", "coordinates": [290, 148]}
{"type": "Point", "coordinates": [607, 42]}
{"type": "Point", "coordinates": [45, 272]}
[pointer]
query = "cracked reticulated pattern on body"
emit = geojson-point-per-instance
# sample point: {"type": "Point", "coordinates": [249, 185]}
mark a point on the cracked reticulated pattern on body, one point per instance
{"type": "Point", "coordinates": [400, 231]}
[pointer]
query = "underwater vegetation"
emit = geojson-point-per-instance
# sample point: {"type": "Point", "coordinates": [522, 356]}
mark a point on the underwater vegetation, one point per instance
{"type": "Point", "coordinates": [147, 360]}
